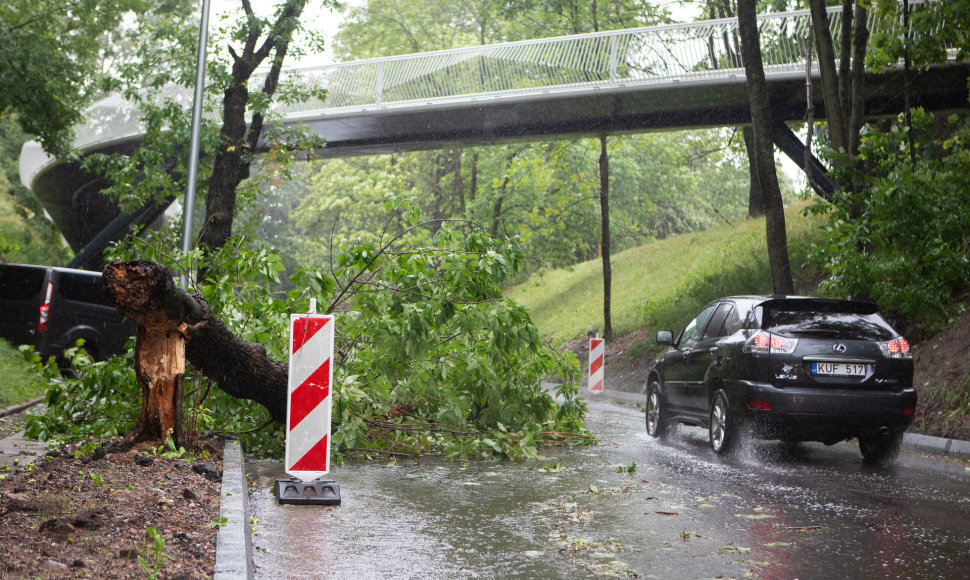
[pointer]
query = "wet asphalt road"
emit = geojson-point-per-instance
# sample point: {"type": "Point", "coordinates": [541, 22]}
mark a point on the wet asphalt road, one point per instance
{"type": "Point", "coordinates": [768, 512]}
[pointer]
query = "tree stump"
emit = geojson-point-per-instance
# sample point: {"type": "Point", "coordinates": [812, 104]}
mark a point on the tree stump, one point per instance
{"type": "Point", "coordinates": [175, 326]}
{"type": "Point", "coordinates": [145, 292]}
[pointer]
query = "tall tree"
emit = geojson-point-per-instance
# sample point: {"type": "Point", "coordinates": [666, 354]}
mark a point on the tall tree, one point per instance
{"type": "Point", "coordinates": [262, 41]}
{"type": "Point", "coordinates": [605, 237]}
{"type": "Point", "coordinates": [52, 60]}
{"type": "Point", "coordinates": [777, 238]}
{"type": "Point", "coordinates": [842, 69]}
{"type": "Point", "coordinates": [729, 44]}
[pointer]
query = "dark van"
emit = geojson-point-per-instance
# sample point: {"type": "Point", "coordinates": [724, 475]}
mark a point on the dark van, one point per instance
{"type": "Point", "coordinates": [50, 308]}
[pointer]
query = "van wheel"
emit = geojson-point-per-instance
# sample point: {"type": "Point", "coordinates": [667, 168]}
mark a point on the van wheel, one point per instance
{"type": "Point", "coordinates": [721, 430]}
{"type": "Point", "coordinates": [657, 423]}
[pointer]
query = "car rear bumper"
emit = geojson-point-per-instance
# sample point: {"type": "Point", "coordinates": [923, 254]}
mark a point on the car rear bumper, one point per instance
{"type": "Point", "coordinates": [827, 415]}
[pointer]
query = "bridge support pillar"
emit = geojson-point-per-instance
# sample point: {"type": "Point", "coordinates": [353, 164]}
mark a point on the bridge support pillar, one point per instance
{"type": "Point", "coordinates": [794, 148]}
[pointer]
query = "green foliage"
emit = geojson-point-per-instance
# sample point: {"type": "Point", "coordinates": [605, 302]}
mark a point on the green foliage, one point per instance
{"type": "Point", "coordinates": [158, 553]}
{"type": "Point", "coordinates": [903, 239]}
{"type": "Point", "coordinates": [628, 469]}
{"type": "Point", "coordinates": [435, 360]}
{"type": "Point", "coordinates": [430, 358]}
{"type": "Point", "coordinates": [53, 59]}
{"type": "Point", "coordinates": [100, 400]}
{"type": "Point", "coordinates": [174, 451]}
{"type": "Point", "coordinates": [936, 26]}
{"type": "Point", "coordinates": [544, 194]}
{"type": "Point", "coordinates": [26, 235]}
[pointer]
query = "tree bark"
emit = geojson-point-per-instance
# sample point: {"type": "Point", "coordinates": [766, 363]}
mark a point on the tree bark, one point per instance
{"type": "Point", "coordinates": [756, 199]}
{"type": "Point", "coordinates": [239, 139]}
{"type": "Point", "coordinates": [860, 40]}
{"type": "Point", "coordinates": [144, 292]}
{"type": "Point", "coordinates": [605, 215]}
{"type": "Point", "coordinates": [777, 240]}
{"type": "Point", "coordinates": [830, 77]}
{"type": "Point", "coordinates": [174, 326]}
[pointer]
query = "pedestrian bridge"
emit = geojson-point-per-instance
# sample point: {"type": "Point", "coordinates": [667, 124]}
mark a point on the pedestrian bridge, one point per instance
{"type": "Point", "coordinates": [645, 79]}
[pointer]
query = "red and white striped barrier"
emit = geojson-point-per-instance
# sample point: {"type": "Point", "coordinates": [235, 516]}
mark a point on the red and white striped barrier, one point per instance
{"type": "Point", "coordinates": [309, 402]}
{"type": "Point", "coordinates": [597, 352]}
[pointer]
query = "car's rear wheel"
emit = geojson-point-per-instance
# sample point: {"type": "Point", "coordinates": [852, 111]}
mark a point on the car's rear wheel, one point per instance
{"type": "Point", "coordinates": [722, 430]}
{"type": "Point", "coordinates": [880, 450]}
{"type": "Point", "coordinates": [657, 423]}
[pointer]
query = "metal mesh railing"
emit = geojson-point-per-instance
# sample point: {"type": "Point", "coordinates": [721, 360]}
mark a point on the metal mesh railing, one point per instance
{"type": "Point", "coordinates": [635, 57]}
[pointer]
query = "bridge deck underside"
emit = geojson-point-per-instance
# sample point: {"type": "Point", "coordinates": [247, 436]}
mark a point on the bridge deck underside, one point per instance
{"type": "Point", "coordinates": [73, 200]}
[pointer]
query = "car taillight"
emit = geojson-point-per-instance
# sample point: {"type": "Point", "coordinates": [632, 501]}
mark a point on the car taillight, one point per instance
{"type": "Point", "coordinates": [759, 406]}
{"type": "Point", "coordinates": [767, 343]}
{"type": "Point", "coordinates": [45, 308]}
{"type": "Point", "coordinates": [896, 348]}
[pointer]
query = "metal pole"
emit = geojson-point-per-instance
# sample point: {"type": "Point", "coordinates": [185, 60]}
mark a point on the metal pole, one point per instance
{"type": "Point", "coordinates": [196, 136]}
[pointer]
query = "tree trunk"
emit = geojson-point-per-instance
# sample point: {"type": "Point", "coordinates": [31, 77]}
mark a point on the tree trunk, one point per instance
{"type": "Point", "coordinates": [473, 186]}
{"type": "Point", "coordinates": [174, 326]}
{"type": "Point", "coordinates": [830, 77]}
{"type": "Point", "coordinates": [781, 278]}
{"type": "Point", "coordinates": [145, 293]}
{"type": "Point", "coordinates": [860, 40]}
{"type": "Point", "coordinates": [605, 215]}
{"type": "Point", "coordinates": [756, 200]}
{"type": "Point", "coordinates": [239, 139]}
{"type": "Point", "coordinates": [459, 184]}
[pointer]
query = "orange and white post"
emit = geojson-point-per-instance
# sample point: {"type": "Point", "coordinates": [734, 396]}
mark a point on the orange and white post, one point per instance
{"type": "Point", "coordinates": [309, 406]}
{"type": "Point", "coordinates": [597, 352]}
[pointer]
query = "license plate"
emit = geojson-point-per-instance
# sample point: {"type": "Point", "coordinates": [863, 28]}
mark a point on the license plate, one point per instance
{"type": "Point", "coordinates": [833, 369]}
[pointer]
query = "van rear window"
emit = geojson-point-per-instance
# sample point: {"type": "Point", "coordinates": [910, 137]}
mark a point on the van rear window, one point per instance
{"type": "Point", "coordinates": [81, 288]}
{"type": "Point", "coordinates": [21, 284]}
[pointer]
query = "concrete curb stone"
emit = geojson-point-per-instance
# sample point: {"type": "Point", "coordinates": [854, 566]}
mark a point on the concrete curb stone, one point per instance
{"type": "Point", "coordinates": [234, 545]}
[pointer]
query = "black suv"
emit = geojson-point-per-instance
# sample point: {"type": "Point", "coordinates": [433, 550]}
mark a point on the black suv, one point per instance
{"type": "Point", "coordinates": [790, 368]}
{"type": "Point", "coordinates": [50, 308]}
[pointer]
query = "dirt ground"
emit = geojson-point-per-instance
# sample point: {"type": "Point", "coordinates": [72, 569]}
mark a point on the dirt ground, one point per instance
{"type": "Point", "coordinates": [942, 380]}
{"type": "Point", "coordinates": [89, 515]}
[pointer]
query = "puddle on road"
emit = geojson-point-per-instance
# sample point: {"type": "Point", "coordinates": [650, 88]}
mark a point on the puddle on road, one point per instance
{"type": "Point", "coordinates": [629, 506]}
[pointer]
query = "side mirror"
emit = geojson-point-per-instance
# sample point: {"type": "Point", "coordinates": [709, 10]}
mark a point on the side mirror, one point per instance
{"type": "Point", "coordinates": [665, 337]}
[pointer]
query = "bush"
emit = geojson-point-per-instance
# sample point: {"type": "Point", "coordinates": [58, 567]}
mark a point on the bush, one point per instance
{"type": "Point", "coordinates": [903, 241]}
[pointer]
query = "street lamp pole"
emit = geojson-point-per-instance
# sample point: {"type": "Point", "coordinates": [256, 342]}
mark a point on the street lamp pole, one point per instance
{"type": "Point", "coordinates": [193, 168]}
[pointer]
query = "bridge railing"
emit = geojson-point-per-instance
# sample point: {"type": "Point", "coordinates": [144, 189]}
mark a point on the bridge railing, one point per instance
{"type": "Point", "coordinates": [657, 54]}
{"type": "Point", "coordinates": [692, 52]}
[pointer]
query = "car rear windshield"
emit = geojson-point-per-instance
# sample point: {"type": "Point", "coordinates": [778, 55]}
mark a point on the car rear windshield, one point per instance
{"type": "Point", "coordinates": [20, 284]}
{"type": "Point", "coordinates": [794, 323]}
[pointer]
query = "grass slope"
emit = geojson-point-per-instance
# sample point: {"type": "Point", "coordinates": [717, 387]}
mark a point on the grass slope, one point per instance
{"type": "Point", "coordinates": [663, 283]}
{"type": "Point", "coordinates": [19, 382]}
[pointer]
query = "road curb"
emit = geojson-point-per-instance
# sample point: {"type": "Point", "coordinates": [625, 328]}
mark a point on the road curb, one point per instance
{"type": "Point", "coordinates": [21, 407]}
{"type": "Point", "coordinates": [234, 544]}
{"type": "Point", "coordinates": [950, 448]}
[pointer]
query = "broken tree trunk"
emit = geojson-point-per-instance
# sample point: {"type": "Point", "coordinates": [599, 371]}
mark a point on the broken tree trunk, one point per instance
{"type": "Point", "coordinates": [175, 326]}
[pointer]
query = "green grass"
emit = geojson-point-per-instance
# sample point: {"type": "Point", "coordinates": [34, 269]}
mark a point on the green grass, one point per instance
{"type": "Point", "coordinates": [19, 382]}
{"type": "Point", "coordinates": [663, 283]}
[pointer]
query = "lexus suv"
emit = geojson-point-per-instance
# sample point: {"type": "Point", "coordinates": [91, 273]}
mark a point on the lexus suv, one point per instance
{"type": "Point", "coordinates": [789, 368]}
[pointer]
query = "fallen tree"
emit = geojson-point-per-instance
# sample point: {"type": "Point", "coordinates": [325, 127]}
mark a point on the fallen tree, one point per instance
{"type": "Point", "coordinates": [429, 357]}
{"type": "Point", "coordinates": [175, 326]}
